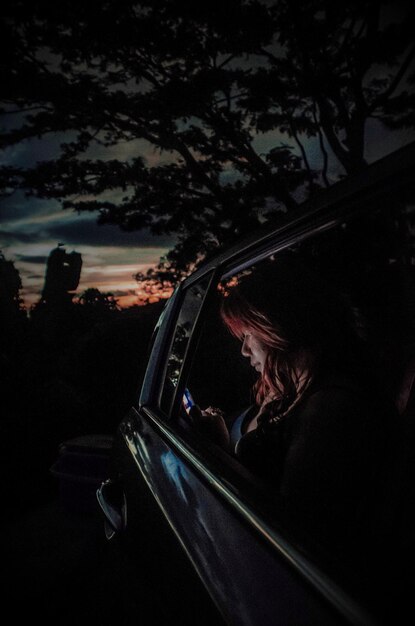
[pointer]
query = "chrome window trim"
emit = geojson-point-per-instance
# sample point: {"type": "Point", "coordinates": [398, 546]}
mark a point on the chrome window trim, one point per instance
{"type": "Point", "coordinates": [162, 371]}
{"type": "Point", "coordinates": [211, 276]}
{"type": "Point", "coordinates": [341, 601]}
{"type": "Point", "coordinates": [272, 247]}
{"type": "Point", "coordinates": [150, 386]}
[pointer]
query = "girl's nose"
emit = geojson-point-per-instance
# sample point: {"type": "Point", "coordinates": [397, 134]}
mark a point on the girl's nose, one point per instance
{"type": "Point", "coordinates": [245, 349]}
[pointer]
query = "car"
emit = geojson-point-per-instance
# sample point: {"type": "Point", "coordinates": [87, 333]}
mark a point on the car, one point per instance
{"type": "Point", "coordinates": [201, 538]}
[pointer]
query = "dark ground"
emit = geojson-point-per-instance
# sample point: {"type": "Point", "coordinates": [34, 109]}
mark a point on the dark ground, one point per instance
{"type": "Point", "coordinates": [60, 569]}
{"type": "Point", "coordinates": [63, 374]}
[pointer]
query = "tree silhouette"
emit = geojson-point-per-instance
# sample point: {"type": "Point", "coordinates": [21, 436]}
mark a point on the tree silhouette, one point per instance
{"type": "Point", "coordinates": [98, 301]}
{"type": "Point", "coordinates": [11, 303]}
{"type": "Point", "coordinates": [13, 323]}
{"type": "Point", "coordinates": [200, 84]}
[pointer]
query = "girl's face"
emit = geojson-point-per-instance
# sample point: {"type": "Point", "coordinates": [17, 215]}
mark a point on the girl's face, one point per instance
{"type": "Point", "coordinates": [255, 350]}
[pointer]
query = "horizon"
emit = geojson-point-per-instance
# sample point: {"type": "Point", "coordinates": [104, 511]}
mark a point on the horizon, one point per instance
{"type": "Point", "coordinates": [126, 291]}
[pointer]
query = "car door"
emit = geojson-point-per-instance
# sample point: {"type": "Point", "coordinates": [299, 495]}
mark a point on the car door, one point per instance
{"type": "Point", "coordinates": [240, 563]}
{"type": "Point", "coordinates": [199, 525]}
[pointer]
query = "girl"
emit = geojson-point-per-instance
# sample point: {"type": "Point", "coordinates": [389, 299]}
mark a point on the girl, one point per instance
{"type": "Point", "coordinates": [321, 430]}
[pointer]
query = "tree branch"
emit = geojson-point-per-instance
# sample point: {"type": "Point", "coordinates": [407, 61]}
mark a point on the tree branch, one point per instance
{"type": "Point", "coordinates": [322, 146]}
{"type": "Point", "coordinates": [304, 155]}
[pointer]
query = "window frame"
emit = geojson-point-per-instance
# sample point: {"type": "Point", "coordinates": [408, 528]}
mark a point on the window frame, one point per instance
{"type": "Point", "coordinates": [154, 379]}
{"type": "Point", "coordinates": [150, 389]}
{"type": "Point", "coordinates": [177, 397]}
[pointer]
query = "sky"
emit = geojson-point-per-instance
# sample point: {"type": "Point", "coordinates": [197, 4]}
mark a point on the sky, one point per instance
{"type": "Point", "coordinates": [110, 257]}
{"type": "Point", "coordinates": [31, 227]}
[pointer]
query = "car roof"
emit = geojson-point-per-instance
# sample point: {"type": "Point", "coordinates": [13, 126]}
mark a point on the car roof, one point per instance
{"type": "Point", "coordinates": [391, 170]}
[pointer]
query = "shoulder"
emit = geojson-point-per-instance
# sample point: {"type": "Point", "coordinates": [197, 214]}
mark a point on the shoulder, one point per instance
{"type": "Point", "coordinates": [339, 406]}
{"type": "Point", "coordinates": [344, 392]}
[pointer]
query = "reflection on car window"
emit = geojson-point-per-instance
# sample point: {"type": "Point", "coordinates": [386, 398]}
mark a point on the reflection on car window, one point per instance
{"type": "Point", "coordinates": [191, 304]}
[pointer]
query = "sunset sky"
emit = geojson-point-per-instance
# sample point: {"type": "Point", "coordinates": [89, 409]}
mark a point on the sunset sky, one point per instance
{"type": "Point", "coordinates": [30, 227]}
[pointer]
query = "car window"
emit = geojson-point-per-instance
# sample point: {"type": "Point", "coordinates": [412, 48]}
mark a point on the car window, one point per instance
{"type": "Point", "coordinates": [191, 303]}
{"type": "Point", "coordinates": [366, 262]}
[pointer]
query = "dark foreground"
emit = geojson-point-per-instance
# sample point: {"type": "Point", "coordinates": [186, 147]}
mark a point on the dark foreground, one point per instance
{"type": "Point", "coordinates": [59, 568]}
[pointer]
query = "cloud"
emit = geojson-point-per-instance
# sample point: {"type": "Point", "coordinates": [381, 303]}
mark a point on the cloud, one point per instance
{"type": "Point", "coordinates": [8, 237]}
{"type": "Point", "coordinates": [119, 293]}
{"type": "Point", "coordinates": [78, 232]}
{"type": "Point", "coordinates": [35, 277]}
{"type": "Point", "coordinates": [56, 225]}
{"type": "Point", "coordinates": [107, 267]}
{"type": "Point", "coordinates": [34, 259]}
{"type": "Point", "coordinates": [35, 149]}
{"type": "Point", "coordinates": [21, 214]}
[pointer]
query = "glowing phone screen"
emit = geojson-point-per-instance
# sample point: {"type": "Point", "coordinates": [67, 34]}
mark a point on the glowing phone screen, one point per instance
{"type": "Point", "coordinates": [188, 401]}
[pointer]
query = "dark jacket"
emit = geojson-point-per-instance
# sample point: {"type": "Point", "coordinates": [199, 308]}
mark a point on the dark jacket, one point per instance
{"type": "Point", "coordinates": [327, 460]}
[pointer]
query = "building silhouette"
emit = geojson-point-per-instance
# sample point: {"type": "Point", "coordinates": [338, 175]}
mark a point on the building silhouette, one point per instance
{"type": "Point", "coordinates": [63, 272]}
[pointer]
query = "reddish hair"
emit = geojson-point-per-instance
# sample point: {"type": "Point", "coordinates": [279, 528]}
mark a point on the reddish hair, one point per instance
{"type": "Point", "coordinates": [279, 379]}
{"type": "Point", "coordinates": [298, 317]}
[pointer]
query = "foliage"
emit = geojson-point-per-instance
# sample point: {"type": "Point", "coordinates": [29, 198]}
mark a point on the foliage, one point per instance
{"type": "Point", "coordinates": [11, 303]}
{"type": "Point", "coordinates": [227, 94]}
{"type": "Point", "coordinates": [94, 299]}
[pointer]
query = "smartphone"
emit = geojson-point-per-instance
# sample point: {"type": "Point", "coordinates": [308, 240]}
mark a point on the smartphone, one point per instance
{"type": "Point", "coordinates": [188, 401]}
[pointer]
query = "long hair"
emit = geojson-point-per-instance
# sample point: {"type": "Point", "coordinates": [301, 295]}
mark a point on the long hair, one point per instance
{"type": "Point", "coordinates": [302, 322]}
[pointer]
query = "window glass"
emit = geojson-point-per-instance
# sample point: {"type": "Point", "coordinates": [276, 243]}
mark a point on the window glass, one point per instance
{"type": "Point", "coordinates": [369, 261]}
{"type": "Point", "coordinates": [192, 301]}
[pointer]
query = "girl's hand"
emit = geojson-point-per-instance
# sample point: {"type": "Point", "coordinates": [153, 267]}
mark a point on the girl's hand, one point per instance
{"type": "Point", "coordinates": [211, 423]}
